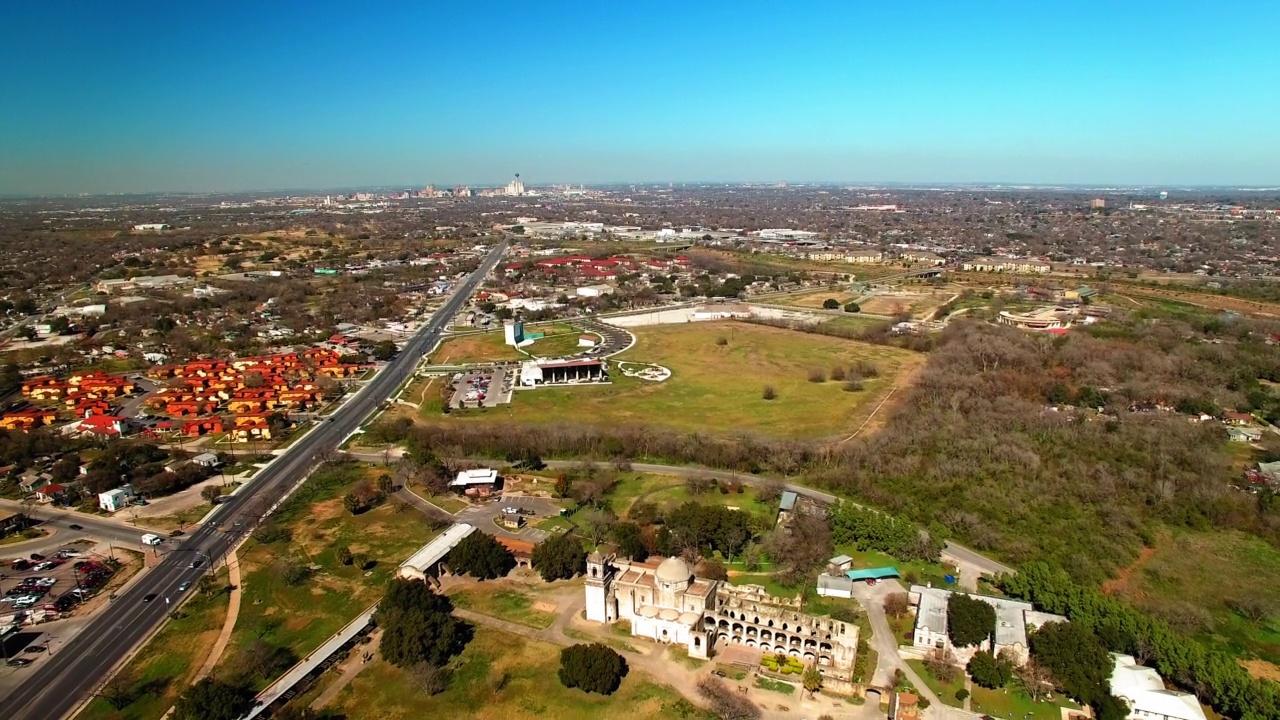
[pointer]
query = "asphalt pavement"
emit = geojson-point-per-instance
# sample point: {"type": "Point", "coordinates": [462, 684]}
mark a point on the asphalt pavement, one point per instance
{"type": "Point", "coordinates": [57, 686]}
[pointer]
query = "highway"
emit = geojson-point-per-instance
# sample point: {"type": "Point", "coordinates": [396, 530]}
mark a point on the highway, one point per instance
{"type": "Point", "coordinates": [60, 682]}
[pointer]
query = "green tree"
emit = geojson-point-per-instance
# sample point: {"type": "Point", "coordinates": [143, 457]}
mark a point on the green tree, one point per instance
{"type": "Point", "coordinates": [418, 625]}
{"type": "Point", "coordinates": [969, 621]}
{"type": "Point", "coordinates": [211, 493]}
{"type": "Point", "coordinates": [384, 350]}
{"type": "Point", "coordinates": [342, 554]}
{"type": "Point", "coordinates": [1076, 659]}
{"type": "Point", "coordinates": [593, 668]}
{"type": "Point", "coordinates": [353, 504]}
{"type": "Point", "coordinates": [212, 699]}
{"type": "Point", "coordinates": [627, 536]}
{"type": "Point", "coordinates": [830, 304]}
{"type": "Point", "coordinates": [481, 556]}
{"type": "Point", "coordinates": [989, 671]}
{"type": "Point", "coordinates": [852, 307]}
{"type": "Point", "coordinates": [559, 558]}
{"type": "Point", "coordinates": [812, 679]}
{"type": "Point", "coordinates": [385, 484]}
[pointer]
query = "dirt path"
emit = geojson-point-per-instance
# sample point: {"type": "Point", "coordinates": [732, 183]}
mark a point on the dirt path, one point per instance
{"type": "Point", "coordinates": [905, 379]}
{"type": "Point", "coordinates": [228, 625]}
{"type": "Point", "coordinates": [1120, 583]}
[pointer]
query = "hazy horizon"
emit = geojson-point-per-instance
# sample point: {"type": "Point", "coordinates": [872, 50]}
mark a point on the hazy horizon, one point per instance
{"type": "Point", "coordinates": [132, 98]}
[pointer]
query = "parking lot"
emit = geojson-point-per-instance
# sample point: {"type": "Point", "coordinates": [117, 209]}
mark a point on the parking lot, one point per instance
{"type": "Point", "coordinates": [39, 587]}
{"type": "Point", "coordinates": [482, 389]}
{"type": "Point", "coordinates": [535, 510]}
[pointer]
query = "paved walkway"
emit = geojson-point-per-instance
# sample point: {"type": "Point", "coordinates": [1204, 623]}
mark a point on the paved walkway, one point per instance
{"type": "Point", "coordinates": [348, 670]}
{"type": "Point", "coordinates": [229, 625]}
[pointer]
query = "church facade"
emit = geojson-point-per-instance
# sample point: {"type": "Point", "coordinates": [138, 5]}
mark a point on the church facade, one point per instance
{"type": "Point", "coordinates": [665, 602]}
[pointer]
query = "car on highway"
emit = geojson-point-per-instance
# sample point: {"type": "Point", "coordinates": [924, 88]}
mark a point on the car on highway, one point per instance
{"type": "Point", "coordinates": [149, 597]}
{"type": "Point", "coordinates": [74, 526]}
{"type": "Point", "coordinates": [183, 587]}
{"type": "Point", "coordinates": [195, 563]}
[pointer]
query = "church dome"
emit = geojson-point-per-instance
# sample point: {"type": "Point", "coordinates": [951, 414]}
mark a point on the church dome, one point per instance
{"type": "Point", "coordinates": [673, 570]}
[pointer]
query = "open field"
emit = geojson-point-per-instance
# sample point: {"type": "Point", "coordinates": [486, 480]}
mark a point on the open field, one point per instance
{"type": "Point", "coordinates": [504, 676]}
{"type": "Point", "coordinates": [918, 304]}
{"type": "Point", "coordinates": [168, 663]}
{"type": "Point", "coordinates": [1194, 579]}
{"type": "Point", "coordinates": [505, 603]}
{"type": "Point", "coordinates": [300, 616]}
{"type": "Point", "coordinates": [814, 299]}
{"type": "Point", "coordinates": [481, 347]}
{"type": "Point", "coordinates": [718, 388]}
{"type": "Point", "coordinates": [668, 492]}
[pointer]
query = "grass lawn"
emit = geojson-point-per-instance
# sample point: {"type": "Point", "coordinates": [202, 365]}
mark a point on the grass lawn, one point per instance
{"type": "Point", "coordinates": [166, 665]}
{"type": "Point", "coordinates": [559, 340]}
{"type": "Point", "coordinates": [554, 524]}
{"type": "Point", "coordinates": [617, 643]}
{"type": "Point", "coordinates": [505, 676]}
{"type": "Point", "coordinates": [1197, 576]}
{"type": "Point", "coordinates": [300, 617]}
{"type": "Point", "coordinates": [1013, 704]}
{"type": "Point", "coordinates": [946, 692]}
{"type": "Point", "coordinates": [449, 503]}
{"type": "Point", "coordinates": [25, 535]}
{"type": "Point", "coordinates": [510, 605]}
{"type": "Point", "coordinates": [718, 388]}
{"type": "Point", "coordinates": [481, 347]}
{"type": "Point", "coordinates": [765, 683]}
{"type": "Point", "coordinates": [771, 585]}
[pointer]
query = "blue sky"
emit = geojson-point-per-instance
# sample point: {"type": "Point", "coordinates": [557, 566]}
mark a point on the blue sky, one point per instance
{"type": "Point", "coordinates": [131, 96]}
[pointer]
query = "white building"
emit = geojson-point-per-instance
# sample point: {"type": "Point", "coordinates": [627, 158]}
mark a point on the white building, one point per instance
{"type": "Point", "coordinates": [1013, 619]}
{"type": "Point", "coordinates": [115, 500]}
{"type": "Point", "coordinates": [1143, 690]}
{"type": "Point", "coordinates": [594, 290]}
{"type": "Point", "coordinates": [516, 186]}
{"type": "Point", "coordinates": [472, 478]}
{"type": "Point", "coordinates": [665, 602]}
{"type": "Point", "coordinates": [421, 563]}
{"type": "Point", "coordinates": [150, 227]}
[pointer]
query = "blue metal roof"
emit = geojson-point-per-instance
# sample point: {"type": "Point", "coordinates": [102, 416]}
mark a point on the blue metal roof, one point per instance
{"type": "Point", "coordinates": [788, 501]}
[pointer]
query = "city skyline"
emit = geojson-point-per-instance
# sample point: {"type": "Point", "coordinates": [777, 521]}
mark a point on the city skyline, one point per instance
{"type": "Point", "coordinates": [1150, 94]}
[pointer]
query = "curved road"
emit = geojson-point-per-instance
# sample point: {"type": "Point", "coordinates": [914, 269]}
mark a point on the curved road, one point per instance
{"type": "Point", "coordinates": [59, 682]}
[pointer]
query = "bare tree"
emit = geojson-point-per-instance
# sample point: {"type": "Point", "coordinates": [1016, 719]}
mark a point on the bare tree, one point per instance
{"type": "Point", "coordinates": [896, 604]}
{"type": "Point", "coordinates": [118, 689]}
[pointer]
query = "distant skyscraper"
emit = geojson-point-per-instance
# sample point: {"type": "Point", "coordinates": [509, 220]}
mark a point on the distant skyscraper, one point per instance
{"type": "Point", "coordinates": [1164, 194]}
{"type": "Point", "coordinates": [1097, 203]}
{"type": "Point", "coordinates": [516, 186]}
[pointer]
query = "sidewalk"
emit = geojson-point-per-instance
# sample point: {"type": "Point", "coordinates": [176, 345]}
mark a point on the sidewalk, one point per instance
{"type": "Point", "coordinates": [229, 625]}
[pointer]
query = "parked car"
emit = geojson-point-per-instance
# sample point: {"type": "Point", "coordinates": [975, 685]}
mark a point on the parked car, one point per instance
{"type": "Point", "coordinates": [19, 662]}
{"type": "Point", "coordinates": [74, 526]}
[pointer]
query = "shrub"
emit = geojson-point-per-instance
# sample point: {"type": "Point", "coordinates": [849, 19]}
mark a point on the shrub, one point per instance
{"type": "Point", "coordinates": [817, 375]}
{"type": "Point", "coordinates": [722, 341]}
{"type": "Point", "coordinates": [853, 386]}
{"type": "Point", "coordinates": [593, 668]}
{"type": "Point", "coordinates": [962, 694]}
{"type": "Point", "coordinates": [837, 373]}
{"type": "Point", "coordinates": [769, 393]}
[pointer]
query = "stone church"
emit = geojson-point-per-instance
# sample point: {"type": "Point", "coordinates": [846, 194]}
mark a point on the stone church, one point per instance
{"type": "Point", "coordinates": [667, 603]}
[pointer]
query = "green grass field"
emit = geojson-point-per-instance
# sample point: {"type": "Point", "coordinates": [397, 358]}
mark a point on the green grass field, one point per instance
{"type": "Point", "coordinates": [946, 692]}
{"type": "Point", "coordinates": [505, 676]}
{"type": "Point", "coordinates": [481, 347]}
{"type": "Point", "coordinates": [167, 664]}
{"type": "Point", "coordinates": [1194, 578]}
{"type": "Point", "coordinates": [1013, 704]}
{"type": "Point", "coordinates": [300, 617]}
{"type": "Point", "coordinates": [505, 604]}
{"type": "Point", "coordinates": [719, 388]}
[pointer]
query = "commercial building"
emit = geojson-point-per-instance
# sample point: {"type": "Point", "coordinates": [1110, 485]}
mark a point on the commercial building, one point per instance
{"type": "Point", "coordinates": [116, 500]}
{"type": "Point", "coordinates": [480, 481]}
{"type": "Point", "coordinates": [562, 372]}
{"type": "Point", "coordinates": [1010, 265]}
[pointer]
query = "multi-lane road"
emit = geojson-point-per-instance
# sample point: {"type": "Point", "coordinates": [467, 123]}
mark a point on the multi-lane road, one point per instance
{"type": "Point", "coordinates": [58, 684]}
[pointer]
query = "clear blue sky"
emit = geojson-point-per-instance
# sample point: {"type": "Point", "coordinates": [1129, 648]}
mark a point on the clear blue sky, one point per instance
{"type": "Point", "coordinates": [130, 96]}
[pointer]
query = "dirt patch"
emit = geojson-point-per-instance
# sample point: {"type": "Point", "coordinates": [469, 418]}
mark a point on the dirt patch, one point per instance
{"type": "Point", "coordinates": [1120, 583]}
{"type": "Point", "coordinates": [546, 607]}
{"type": "Point", "coordinates": [1261, 669]}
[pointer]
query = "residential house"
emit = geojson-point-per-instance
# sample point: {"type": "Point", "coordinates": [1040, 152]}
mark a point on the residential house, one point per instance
{"type": "Point", "coordinates": [116, 500]}
{"type": "Point", "coordinates": [202, 426]}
